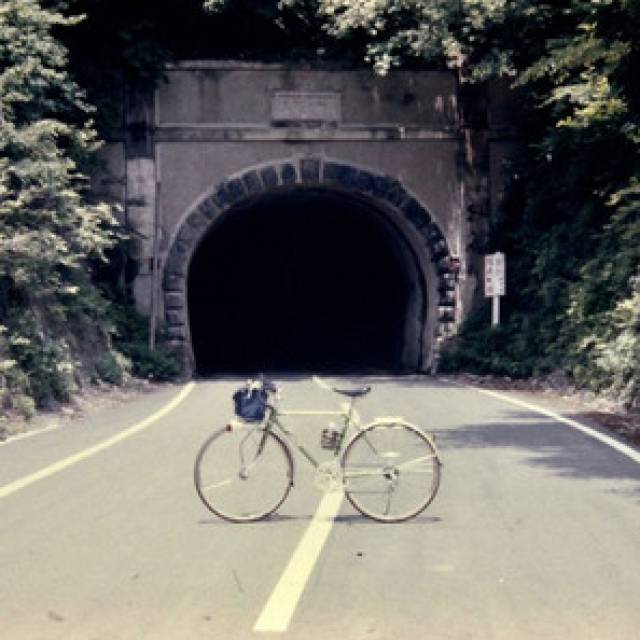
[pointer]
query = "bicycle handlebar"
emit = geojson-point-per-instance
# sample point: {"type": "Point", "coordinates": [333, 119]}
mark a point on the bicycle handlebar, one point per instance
{"type": "Point", "coordinates": [262, 383]}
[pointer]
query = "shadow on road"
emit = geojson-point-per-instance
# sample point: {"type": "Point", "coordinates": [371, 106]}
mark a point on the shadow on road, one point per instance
{"type": "Point", "coordinates": [352, 519]}
{"type": "Point", "coordinates": [274, 518]}
{"type": "Point", "coordinates": [348, 520]}
{"type": "Point", "coordinates": [550, 445]}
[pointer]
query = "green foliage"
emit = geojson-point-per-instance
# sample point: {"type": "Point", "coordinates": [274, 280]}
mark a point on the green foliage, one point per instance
{"type": "Point", "coordinates": [48, 228]}
{"type": "Point", "coordinates": [615, 357]}
{"type": "Point", "coordinates": [121, 40]}
{"type": "Point", "coordinates": [395, 32]}
{"type": "Point", "coordinates": [113, 367]}
{"type": "Point", "coordinates": [131, 341]}
{"type": "Point", "coordinates": [42, 365]}
{"type": "Point", "coordinates": [160, 364]}
{"type": "Point", "coordinates": [571, 223]}
{"type": "Point", "coordinates": [505, 350]}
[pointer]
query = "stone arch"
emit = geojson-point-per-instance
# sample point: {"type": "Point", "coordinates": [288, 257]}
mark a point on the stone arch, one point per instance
{"type": "Point", "coordinates": [312, 172]}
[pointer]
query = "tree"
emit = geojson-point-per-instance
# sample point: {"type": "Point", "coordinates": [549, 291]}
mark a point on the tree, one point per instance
{"type": "Point", "coordinates": [571, 223]}
{"type": "Point", "coordinates": [49, 309]}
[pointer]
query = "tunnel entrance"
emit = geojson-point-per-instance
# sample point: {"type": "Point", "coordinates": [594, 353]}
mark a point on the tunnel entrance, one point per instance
{"type": "Point", "coordinates": [300, 281]}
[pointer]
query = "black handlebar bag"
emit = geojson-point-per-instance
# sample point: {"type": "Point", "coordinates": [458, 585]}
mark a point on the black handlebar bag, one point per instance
{"type": "Point", "coordinates": [250, 404]}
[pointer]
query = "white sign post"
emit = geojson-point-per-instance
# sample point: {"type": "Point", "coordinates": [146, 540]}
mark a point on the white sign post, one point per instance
{"type": "Point", "coordinates": [495, 283]}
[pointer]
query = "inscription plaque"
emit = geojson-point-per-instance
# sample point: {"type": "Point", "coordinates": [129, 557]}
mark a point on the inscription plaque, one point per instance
{"type": "Point", "coordinates": [305, 106]}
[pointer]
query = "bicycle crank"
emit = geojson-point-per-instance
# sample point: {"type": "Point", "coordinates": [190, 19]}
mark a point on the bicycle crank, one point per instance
{"type": "Point", "coordinates": [328, 476]}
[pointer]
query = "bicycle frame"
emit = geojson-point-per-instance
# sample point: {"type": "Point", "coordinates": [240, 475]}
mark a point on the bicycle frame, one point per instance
{"type": "Point", "coordinates": [368, 463]}
{"type": "Point", "coordinates": [348, 413]}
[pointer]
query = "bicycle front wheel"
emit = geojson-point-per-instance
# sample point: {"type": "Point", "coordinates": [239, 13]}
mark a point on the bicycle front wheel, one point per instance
{"type": "Point", "coordinates": [243, 473]}
{"type": "Point", "coordinates": [391, 472]}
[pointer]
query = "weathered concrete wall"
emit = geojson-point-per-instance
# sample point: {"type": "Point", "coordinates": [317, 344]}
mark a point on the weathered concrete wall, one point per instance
{"type": "Point", "coordinates": [213, 121]}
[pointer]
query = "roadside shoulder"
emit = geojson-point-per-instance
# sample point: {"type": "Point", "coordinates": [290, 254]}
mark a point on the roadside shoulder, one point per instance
{"type": "Point", "coordinates": [85, 404]}
{"type": "Point", "coordinates": [581, 406]}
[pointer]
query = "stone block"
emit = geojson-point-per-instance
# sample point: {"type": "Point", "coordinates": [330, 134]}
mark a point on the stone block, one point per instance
{"type": "Point", "coordinates": [396, 194]}
{"type": "Point", "coordinates": [446, 282]}
{"type": "Point", "coordinates": [176, 264]}
{"type": "Point", "coordinates": [223, 196]}
{"type": "Point", "coordinates": [310, 170]}
{"type": "Point", "coordinates": [447, 298]}
{"type": "Point", "coordinates": [433, 233]}
{"type": "Point", "coordinates": [178, 333]}
{"type": "Point", "coordinates": [197, 220]}
{"type": "Point", "coordinates": [340, 174]}
{"type": "Point", "coordinates": [381, 186]}
{"type": "Point", "coordinates": [415, 213]}
{"type": "Point", "coordinates": [236, 190]}
{"type": "Point", "coordinates": [446, 315]}
{"type": "Point", "coordinates": [252, 183]}
{"type": "Point", "coordinates": [364, 182]}
{"type": "Point", "coordinates": [175, 317]}
{"type": "Point", "coordinates": [186, 235]}
{"type": "Point", "coordinates": [439, 251]}
{"type": "Point", "coordinates": [208, 208]}
{"type": "Point", "coordinates": [174, 300]}
{"type": "Point", "coordinates": [288, 174]}
{"type": "Point", "coordinates": [443, 266]}
{"type": "Point", "coordinates": [173, 281]}
{"type": "Point", "coordinates": [269, 177]}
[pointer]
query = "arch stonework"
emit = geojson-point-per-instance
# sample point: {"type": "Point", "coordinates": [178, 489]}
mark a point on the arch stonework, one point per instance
{"type": "Point", "coordinates": [306, 172]}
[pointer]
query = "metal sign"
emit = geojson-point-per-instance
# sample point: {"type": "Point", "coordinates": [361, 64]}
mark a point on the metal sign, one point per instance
{"type": "Point", "coordinates": [495, 282]}
{"type": "Point", "coordinates": [494, 275]}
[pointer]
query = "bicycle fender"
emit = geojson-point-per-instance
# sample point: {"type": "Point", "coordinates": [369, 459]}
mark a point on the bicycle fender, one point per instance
{"type": "Point", "coordinates": [388, 420]}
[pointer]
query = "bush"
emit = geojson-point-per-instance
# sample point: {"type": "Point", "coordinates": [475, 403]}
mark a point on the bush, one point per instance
{"type": "Point", "coordinates": [504, 350]}
{"type": "Point", "coordinates": [158, 365]}
{"type": "Point", "coordinates": [39, 365]}
{"type": "Point", "coordinates": [131, 338]}
{"type": "Point", "coordinates": [113, 367]}
{"type": "Point", "coordinates": [615, 357]}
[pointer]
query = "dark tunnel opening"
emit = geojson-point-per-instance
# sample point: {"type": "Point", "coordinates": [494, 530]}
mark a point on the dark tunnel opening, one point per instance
{"type": "Point", "coordinates": [297, 282]}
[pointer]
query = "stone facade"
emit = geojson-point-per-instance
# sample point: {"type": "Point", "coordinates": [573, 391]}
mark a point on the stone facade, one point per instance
{"type": "Point", "coordinates": [220, 134]}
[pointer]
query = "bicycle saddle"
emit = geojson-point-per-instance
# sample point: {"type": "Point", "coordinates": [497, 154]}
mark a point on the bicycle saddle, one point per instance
{"type": "Point", "coordinates": [353, 393]}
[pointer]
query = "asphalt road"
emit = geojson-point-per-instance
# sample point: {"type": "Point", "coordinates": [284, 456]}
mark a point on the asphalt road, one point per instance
{"type": "Point", "coordinates": [535, 533]}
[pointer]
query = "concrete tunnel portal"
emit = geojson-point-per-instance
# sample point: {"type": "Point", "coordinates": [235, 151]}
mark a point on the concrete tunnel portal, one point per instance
{"type": "Point", "coordinates": [304, 280]}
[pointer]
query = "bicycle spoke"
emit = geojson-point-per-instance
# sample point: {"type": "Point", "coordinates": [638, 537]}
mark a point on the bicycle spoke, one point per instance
{"type": "Point", "coordinates": [391, 472]}
{"type": "Point", "coordinates": [363, 473]}
{"type": "Point", "coordinates": [215, 485]}
{"type": "Point", "coordinates": [243, 476]}
{"type": "Point", "coordinates": [388, 507]}
{"type": "Point", "coordinates": [408, 464]}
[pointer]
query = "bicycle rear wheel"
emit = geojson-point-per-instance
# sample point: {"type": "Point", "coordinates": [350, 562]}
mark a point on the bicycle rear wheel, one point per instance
{"type": "Point", "coordinates": [243, 473]}
{"type": "Point", "coordinates": [391, 472]}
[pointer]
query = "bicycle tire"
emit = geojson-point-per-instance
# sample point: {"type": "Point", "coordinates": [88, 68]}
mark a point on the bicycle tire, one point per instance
{"type": "Point", "coordinates": [243, 473]}
{"type": "Point", "coordinates": [391, 472]}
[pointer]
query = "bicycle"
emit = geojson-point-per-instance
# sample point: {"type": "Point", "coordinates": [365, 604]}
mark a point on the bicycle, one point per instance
{"type": "Point", "coordinates": [388, 469]}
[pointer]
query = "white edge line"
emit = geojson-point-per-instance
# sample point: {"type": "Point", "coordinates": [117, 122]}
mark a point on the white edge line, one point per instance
{"type": "Point", "coordinates": [280, 606]}
{"type": "Point", "coordinates": [589, 431]}
{"type": "Point", "coordinates": [17, 437]}
{"type": "Point", "coordinates": [65, 463]}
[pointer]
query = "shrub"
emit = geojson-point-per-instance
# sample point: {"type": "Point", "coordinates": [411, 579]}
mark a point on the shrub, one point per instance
{"type": "Point", "coordinates": [113, 367]}
{"type": "Point", "coordinates": [616, 356]}
{"type": "Point", "coordinates": [504, 350]}
{"type": "Point", "coordinates": [158, 365]}
{"type": "Point", "coordinates": [131, 338]}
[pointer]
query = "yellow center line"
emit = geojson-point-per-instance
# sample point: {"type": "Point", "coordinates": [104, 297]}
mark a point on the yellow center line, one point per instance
{"type": "Point", "coordinates": [65, 463]}
{"type": "Point", "coordinates": [279, 609]}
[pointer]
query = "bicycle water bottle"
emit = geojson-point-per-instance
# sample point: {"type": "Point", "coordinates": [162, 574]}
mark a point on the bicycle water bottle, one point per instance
{"type": "Point", "coordinates": [330, 437]}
